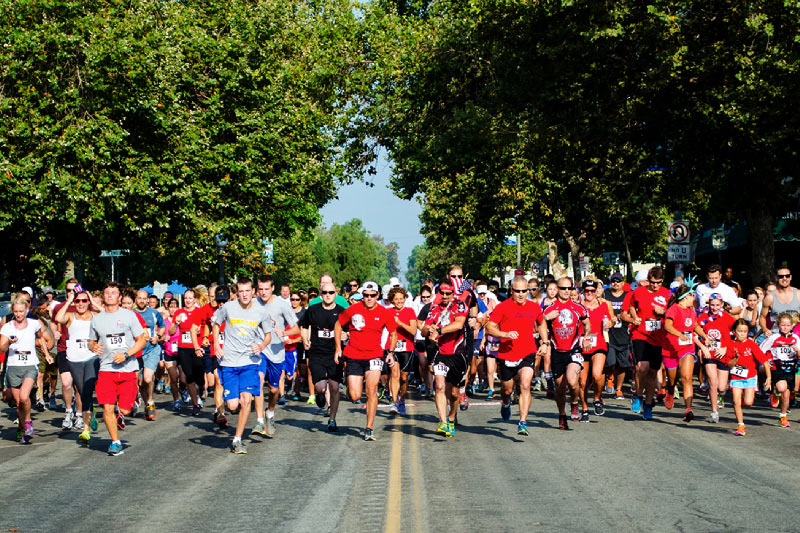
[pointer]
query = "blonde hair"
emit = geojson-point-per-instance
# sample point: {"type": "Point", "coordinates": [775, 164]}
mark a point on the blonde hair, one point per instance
{"type": "Point", "coordinates": [201, 295]}
{"type": "Point", "coordinates": [21, 301]}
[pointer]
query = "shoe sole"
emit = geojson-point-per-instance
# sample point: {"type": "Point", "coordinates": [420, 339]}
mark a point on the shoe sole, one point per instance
{"type": "Point", "coordinates": [116, 454]}
{"type": "Point", "coordinates": [239, 452]}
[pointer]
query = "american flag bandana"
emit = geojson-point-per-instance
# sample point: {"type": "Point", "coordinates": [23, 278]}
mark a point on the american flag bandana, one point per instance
{"type": "Point", "coordinates": [460, 287]}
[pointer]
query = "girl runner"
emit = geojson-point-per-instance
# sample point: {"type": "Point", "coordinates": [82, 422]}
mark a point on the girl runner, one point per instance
{"type": "Point", "coordinates": [680, 324]}
{"type": "Point", "coordinates": [601, 317]}
{"type": "Point", "coordinates": [783, 348]}
{"type": "Point", "coordinates": [716, 324]}
{"type": "Point", "coordinates": [744, 371]}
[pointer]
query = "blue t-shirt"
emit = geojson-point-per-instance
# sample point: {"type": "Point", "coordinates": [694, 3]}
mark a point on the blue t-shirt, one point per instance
{"type": "Point", "coordinates": [482, 308]}
{"type": "Point", "coordinates": [154, 321]}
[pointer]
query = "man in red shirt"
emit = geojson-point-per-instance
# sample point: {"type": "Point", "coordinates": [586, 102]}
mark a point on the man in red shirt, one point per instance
{"type": "Point", "coordinates": [514, 321]}
{"type": "Point", "coordinates": [564, 318]}
{"type": "Point", "coordinates": [646, 308]}
{"type": "Point", "coordinates": [364, 353]}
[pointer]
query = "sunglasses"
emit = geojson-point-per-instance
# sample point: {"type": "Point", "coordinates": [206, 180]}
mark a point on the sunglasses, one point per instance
{"type": "Point", "coordinates": [445, 293]}
{"type": "Point", "coordinates": [589, 290]}
{"type": "Point", "coordinates": [616, 281]}
{"type": "Point", "coordinates": [533, 289]}
{"type": "Point", "coordinates": [81, 301]}
{"type": "Point", "coordinates": [519, 291]}
{"type": "Point", "coordinates": [784, 276]}
{"type": "Point", "coordinates": [459, 276]}
{"type": "Point", "coordinates": [354, 285]}
{"type": "Point", "coordinates": [425, 296]}
{"type": "Point", "coordinates": [328, 292]}
{"type": "Point", "coordinates": [295, 299]}
{"type": "Point", "coordinates": [656, 281]}
{"type": "Point", "coordinates": [565, 288]}
{"type": "Point", "coordinates": [370, 295]}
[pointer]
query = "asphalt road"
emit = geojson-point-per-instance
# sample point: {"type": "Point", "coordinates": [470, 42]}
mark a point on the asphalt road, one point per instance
{"type": "Point", "coordinates": [616, 473]}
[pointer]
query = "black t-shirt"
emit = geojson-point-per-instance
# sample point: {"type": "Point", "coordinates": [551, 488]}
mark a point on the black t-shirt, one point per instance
{"type": "Point", "coordinates": [321, 321]}
{"type": "Point", "coordinates": [618, 335]}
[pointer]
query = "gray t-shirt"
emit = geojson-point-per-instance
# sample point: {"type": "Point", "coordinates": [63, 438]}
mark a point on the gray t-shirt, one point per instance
{"type": "Point", "coordinates": [117, 332]}
{"type": "Point", "coordinates": [282, 316]}
{"type": "Point", "coordinates": [243, 328]}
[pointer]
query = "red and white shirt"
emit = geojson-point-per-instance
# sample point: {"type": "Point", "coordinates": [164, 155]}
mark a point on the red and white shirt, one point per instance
{"type": "Point", "coordinates": [440, 316]}
{"type": "Point", "coordinates": [748, 353]}
{"type": "Point", "coordinates": [565, 329]}
{"type": "Point", "coordinates": [597, 316]}
{"type": "Point", "coordinates": [365, 327]}
{"type": "Point", "coordinates": [684, 319]}
{"type": "Point", "coordinates": [651, 330]}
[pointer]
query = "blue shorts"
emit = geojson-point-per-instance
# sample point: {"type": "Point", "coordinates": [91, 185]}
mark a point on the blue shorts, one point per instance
{"type": "Point", "coordinates": [744, 383]}
{"type": "Point", "coordinates": [290, 362]}
{"type": "Point", "coordinates": [209, 362]}
{"type": "Point", "coordinates": [150, 359]}
{"type": "Point", "coordinates": [238, 379]}
{"type": "Point", "coordinates": [271, 371]}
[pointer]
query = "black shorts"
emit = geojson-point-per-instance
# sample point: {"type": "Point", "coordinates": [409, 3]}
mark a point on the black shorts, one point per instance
{"type": "Point", "coordinates": [644, 352]}
{"type": "Point", "coordinates": [170, 358]}
{"type": "Point", "coordinates": [452, 366]}
{"type": "Point", "coordinates": [405, 360]}
{"type": "Point", "coordinates": [192, 366]}
{"type": "Point", "coordinates": [619, 355]}
{"type": "Point", "coordinates": [61, 361]}
{"type": "Point", "coordinates": [323, 368]}
{"type": "Point", "coordinates": [782, 375]}
{"type": "Point", "coordinates": [209, 363]}
{"type": "Point", "coordinates": [360, 367]}
{"type": "Point", "coordinates": [716, 362]}
{"type": "Point", "coordinates": [509, 371]}
{"type": "Point", "coordinates": [559, 361]}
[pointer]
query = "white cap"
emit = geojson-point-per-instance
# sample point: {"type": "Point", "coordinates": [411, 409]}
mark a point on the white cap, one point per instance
{"type": "Point", "coordinates": [482, 289]}
{"type": "Point", "coordinates": [370, 286]}
{"type": "Point", "coordinates": [394, 282]}
{"type": "Point", "coordinates": [675, 284]}
{"type": "Point", "coordinates": [28, 290]}
{"type": "Point", "coordinates": [385, 291]}
{"type": "Point", "coordinates": [641, 276]}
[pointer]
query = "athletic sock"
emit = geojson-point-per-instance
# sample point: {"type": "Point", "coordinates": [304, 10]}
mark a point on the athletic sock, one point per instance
{"type": "Point", "coordinates": [260, 420]}
{"type": "Point", "coordinates": [270, 414]}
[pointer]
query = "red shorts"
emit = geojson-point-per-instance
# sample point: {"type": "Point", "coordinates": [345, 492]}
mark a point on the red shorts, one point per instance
{"type": "Point", "coordinates": [117, 387]}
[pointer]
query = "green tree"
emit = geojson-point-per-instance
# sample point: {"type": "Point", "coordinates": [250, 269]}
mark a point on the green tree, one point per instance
{"type": "Point", "coordinates": [348, 251]}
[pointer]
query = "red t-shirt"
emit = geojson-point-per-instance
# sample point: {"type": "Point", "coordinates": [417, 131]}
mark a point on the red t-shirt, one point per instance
{"type": "Point", "coordinates": [596, 317]}
{"type": "Point", "coordinates": [748, 352]}
{"type": "Point", "coordinates": [510, 316]}
{"type": "Point", "coordinates": [642, 300]}
{"type": "Point", "coordinates": [202, 319]}
{"type": "Point", "coordinates": [405, 341]}
{"type": "Point", "coordinates": [718, 332]}
{"type": "Point", "coordinates": [781, 350]}
{"type": "Point", "coordinates": [440, 316]}
{"type": "Point", "coordinates": [366, 327]}
{"type": "Point", "coordinates": [565, 329]}
{"type": "Point", "coordinates": [185, 327]}
{"type": "Point", "coordinates": [684, 319]}
{"type": "Point", "coordinates": [144, 326]}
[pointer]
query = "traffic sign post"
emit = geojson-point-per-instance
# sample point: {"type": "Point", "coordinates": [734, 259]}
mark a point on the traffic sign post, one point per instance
{"type": "Point", "coordinates": [678, 232]}
{"type": "Point", "coordinates": [679, 253]}
{"type": "Point", "coordinates": [610, 258]}
{"type": "Point", "coordinates": [112, 254]}
{"type": "Point", "coordinates": [719, 241]}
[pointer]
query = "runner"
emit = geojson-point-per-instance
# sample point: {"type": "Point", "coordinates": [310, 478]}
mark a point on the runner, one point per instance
{"type": "Point", "coordinates": [151, 355]}
{"type": "Point", "coordinates": [716, 286]}
{"type": "Point", "coordinates": [190, 356]}
{"type": "Point", "coordinates": [249, 331]}
{"type": "Point", "coordinates": [444, 326]}
{"type": "Point", "coordinates": [679, 342]}
{"type": "Point", "coordinates": [490, 344]}
{"type": "Point", "coordinates": [744, 372]}
{"type": "Point", "coordinates": [363, 352]}
{"type": "Point", "coordinates": [318, 324]}
{"type": "Point", "coordinates": [464, 293]}
{"type": "Point", "coordinates": [646, 307]}
{"type": "Point", "coordinates": [783, 299]}
{"type": "Point", "coordinates": [602, 318]}
{"type": "Point", "coordinates": [406, 321]}
{"type": "Point", "coordinates": [116, 335]}
{"type": "Point", "coordinates": [514, 322]}
{"type": "Point", "coordinates": [171, 354]}
{"type": "Point", "coordinates": [550, 296]}
{"type": "Point", "coordinates": [423, 347]}
{"type": "Point", "coordinates": [619, 353]}
{"type": "Point", "coordinates": [20, 337]}
{"type": "Point", "coordinates": [564, 318]}
{"type": "Point", "coordinates": [716, 325]}
{"type": "Point", "coordinates": [783, 348]}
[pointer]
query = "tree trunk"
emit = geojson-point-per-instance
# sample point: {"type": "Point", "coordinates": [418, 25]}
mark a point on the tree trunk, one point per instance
{"type": "Point", "coordinates": [552, 257]}
{"type": "Point", "coordinates": [69, 269]}
{"type": "Point", "coordinates": [575, 248]}
{"type": "Point", "coordinates": [760, 224]}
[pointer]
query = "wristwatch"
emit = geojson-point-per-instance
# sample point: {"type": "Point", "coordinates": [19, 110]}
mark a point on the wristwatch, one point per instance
{"type": "Point", "coordinates": [127, 356]}
{"type": "Point", "coordinates": [438, 331]}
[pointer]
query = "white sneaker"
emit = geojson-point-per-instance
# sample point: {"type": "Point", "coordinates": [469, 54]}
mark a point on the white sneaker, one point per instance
{"type": "Point", "coordinates": [77, 422]}
{"type": "Point", "coordinates": [67, 423]}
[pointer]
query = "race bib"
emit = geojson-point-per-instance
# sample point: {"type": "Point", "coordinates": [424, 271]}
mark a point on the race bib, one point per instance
{"type": "Point", "coordinates": [652, 324]}
{"type": "Point", "coordinates": [23, 356]}
{"type": "Point", "coordinates": [714, 344]}
{"type": "Point", "coordinates": [376, 364]}
{"type": "Point", "coordinates": [739, 371]}
{"type": "Point", "coordinates": [593, 340]}
{"type": "Point", "coordinates": [115, 340]}
{"type": "Point", "coordinates": [512, 364]}
{"type": "Point", "coordinates": [783, 352]}
{"type": "Point", "coordinates": [440, 369]}
{"type": "Point", "coordinates": [325, 334]}
{"type": "Point", "coordinates": [492, 346]}
{"type": "Point", "coordinates": [186, 337]}
{"type": "Point", "coordinates": [577, 358]}
{"type": "Point", "coordinates": [401, 346]}
{"type": "Point", "coordinates": [682, 342]}
{"type": "Point", "coordinates": [174, 346]}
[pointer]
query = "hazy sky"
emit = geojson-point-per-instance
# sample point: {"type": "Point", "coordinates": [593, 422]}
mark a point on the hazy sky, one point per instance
{"type": "Point", "coordinates": [380, 210]}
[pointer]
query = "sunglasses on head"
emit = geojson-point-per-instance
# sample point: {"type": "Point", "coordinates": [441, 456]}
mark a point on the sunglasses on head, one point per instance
{"type": "Point", "coordinates": [328, 292]}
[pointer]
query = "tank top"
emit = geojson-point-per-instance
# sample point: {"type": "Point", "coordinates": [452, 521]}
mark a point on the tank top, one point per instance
{"type": "Point", "coordinates": [618, 335]}
{"type": "Point", "coordinates": [793, 308]}
{"type": "Point", "coordinates": [78, 342]}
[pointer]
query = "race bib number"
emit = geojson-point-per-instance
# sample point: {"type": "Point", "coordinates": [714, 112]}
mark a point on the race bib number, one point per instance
{"type": "Point", "coordinates": [186, 337]}
{"type": "Point", "coordinates": [652, 324]}
{"type": "Point", "coordinates": [783, 352]}
{"type": "Point", "coordinates": [687, 342]}
{"type": "Point", "coordinates": [174, 346]}
{"type": "Point", "coordinates": [577, 358]}
{"type": "Point", "coordinates": [325, 334]}
{"type": "Point", "coordinates": [440, 369]}
{"type": "Point", "coordinates": [593, 340]}
{"type": "Point", "coordinates": [115, 340]}
{"type": "Point", "coordinates": [376, 364]}
{"type": "Point", "coordinates": [512, 364]}
{"type": "Point", "coordinates": [714, 344]}
{"type": "Point", "coordinates": [23, 356]}
{"type": "Point", "coordinates": [401, 346]}
{"type": "Point", "coordinates": [492, 346]}
{"type": "Point", "coordinates": [739, 371]}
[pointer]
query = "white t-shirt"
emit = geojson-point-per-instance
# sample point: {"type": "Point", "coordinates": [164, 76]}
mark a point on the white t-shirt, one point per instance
{"type": "Point", "coordinates": [729, 296]}
{"type": "Point", "coordinates": [22, 352]}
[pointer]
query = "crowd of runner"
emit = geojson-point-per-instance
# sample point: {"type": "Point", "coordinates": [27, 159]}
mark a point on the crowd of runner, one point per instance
{"type": "Point", "coordinates": [244, 348]}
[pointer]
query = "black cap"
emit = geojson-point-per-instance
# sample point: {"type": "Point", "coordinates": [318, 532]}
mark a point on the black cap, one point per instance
{"type": "Point", "coordinates": [616, 276]}
{"type": "Point", "coordinates": [222, 295]}
{"type": "Point", "coordinates": [589, 283]}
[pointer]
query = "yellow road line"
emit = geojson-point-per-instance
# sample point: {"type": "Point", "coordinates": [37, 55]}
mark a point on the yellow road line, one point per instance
{"type": "Point", "coordinates": [416, 482]}
{"type": "Point", "coordinates": [394, 505]}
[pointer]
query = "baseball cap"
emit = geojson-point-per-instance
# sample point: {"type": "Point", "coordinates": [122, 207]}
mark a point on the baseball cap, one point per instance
{"type": "Point", "coordinates": [385, 291]}
{"type": "Point", "coordinates": [28, 290]}
{"type": "Point", "coordinates": [675, 284]}
{"type": "Point", "coordinates": [356, 296]}
{"type": "Point", "coordinates": [482, 289]}
{"type": "Point", "coordinates": [222, 294]}
{"type": "Point", "coordinates": [394, 282]}
{"type": "Point", "coordinates": [589, 283]}
{"type": "Point", "coordinates": [616, 276]}
{"type": "Point", "coordinates": [48, 290]}
{"type": "Point", "coordinates": [641, 276]}
{"type": "Point", "coordinates": [370, 286]}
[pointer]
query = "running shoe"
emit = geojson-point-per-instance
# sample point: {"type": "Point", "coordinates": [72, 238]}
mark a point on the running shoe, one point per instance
{"type": "Point", "coordinates": [67, 423]}
{"type": "Point", "coordinates": [327, 412]}
{"type": "Point", "coordinates": [332, 427]}
{"type": "Point", "coordinates": [550, 394]}
{"type": "Point", "coordinates": [260, 429]}
{"type": "Point", "coordinates": [77, 423]}
{"type": "Point", "coordinates": [93, 421]}
{"type": "Point", "coordinates": [281, 400]}
{"type": "Point", "coordinates": [312, 398]}
{"type": "Point", "coordinates": [381, 392]}
{"type": "Point", "coordinates": [713, 418]}
{"type": "Point", "coordinates": [200, 403]}
{"type": "Point", "coordinates": [221, 420]}
{"type": "Point", "coordinates": [562, 422]}
{"type": "Point", "coordinates": [537, 384]}
{"type": "Point", "coordinates": [704, 388]}
{"type": "Point", "coordinates": [160, 387]}
{"type": "Point", "coordinates": [185, 397]}
{"type": "Point", "coordinates": [120, 421]}
{"type": "Point", "coordinates": [636, 404]}
{"type": "Point", "coordinates": [660, 395]}
{"type": "Point", "coordinates": [669, 401]}
{"type": "Point", "coordinates": [609, 386]}
{"type": "Point", "coordinates": [575, 415]}
{"type": "Point", "coordinates": [741, 431]}
{"type": "Point", "coordinates": [599, 409]}
{"type": "Point", "coordinates": [784, 422]}
{"type": "Point", "coordinates": [647, 412]}
{"type": "Point", "coordinates": [357, 402]}
{"type": "Point", "coordinates": [463, 403]}
{"type": "Point", "coordinates": [28, 434]}
{"type": "Point", "coordinates": [792, 401]}
{"type": "Point", "coordinates": [401, 407]}
{"type": "Point", "coordinates": [53, 403]}
{"type": "Point", "coordinates": [773, 400]}
{"type": "Point", "coordinates": [522, 428]}
{"type": "Point", "coordinates": [296, 396]}
{"type": "Point", "coordinates": [136, 405]}
{"type": "Point", "coordinates": [721, 401]}
{"type": "Point", "coordinates": [237, 446]}
{"type": "Point", "coordinates": [40, 406]}
{"type": "Point", "coordinates": [619, 395]}
{"type": "Point", "coordinates": [115, 449]}
{"type": "Point", "coordinates": [150, 412]}
{"type": "Point", "coordinates": [167, 389]}
{"type": "Point", "coordinates": [196, 410]}
{"type": "Point", "coordinates": [443, 428]}
{"type": "Point", "coordinates": [84, 437]}
{"type": "Point", "coordinates": [393, 409]}
{"type": "Point", "coordinates": [490, 394]}
{"type": "Point", "coordinates": [451, 429]}
{"type": "Point", "coordinates": [422, 389]}
{"type": "Point", "coordinates": [688, 415]}
{"type": "Point", "coordinates": [368, 435]}
{"type": "Point", "coordinates": [319, 400]}
{"type": "Point", "coordinates": [271, 427]}
{"type": "Point", "coordinates": [470, 391]}
{"type": "Point", "coordinates": [505, 411]}
{"type": "Point", "coordinates": [585, 415]}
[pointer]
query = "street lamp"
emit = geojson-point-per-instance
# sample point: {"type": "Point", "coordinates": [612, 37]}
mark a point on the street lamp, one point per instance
{"type": "Point", "coordinates": [221, 244]}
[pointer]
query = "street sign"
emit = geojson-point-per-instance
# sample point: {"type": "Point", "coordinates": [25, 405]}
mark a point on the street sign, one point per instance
{"type": "Point", "coordinates": [269, 252]}
{"type": "Point", "coordinates": [679, 253]}
{"type": "Point", "coordinates": [511, 240]}
{"type": "Point", "coordinates": [113, 253]}
{"type": "Point", "coordinates": [519, 272]}
{"type": "Point", "coordinates": [678, 233]}
{"type": "Point", "coordinates": [610, 258]}
{"type": "Point", "coordinates": [584, 262]}
{"type": "Point", "coordinates": [718, 239]}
